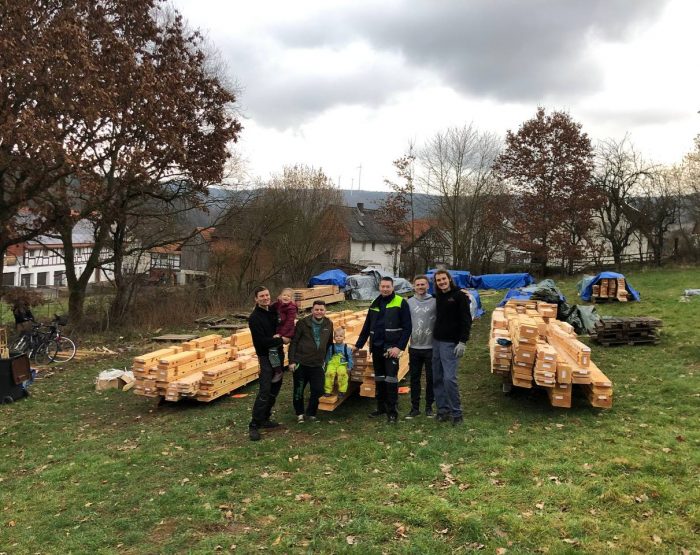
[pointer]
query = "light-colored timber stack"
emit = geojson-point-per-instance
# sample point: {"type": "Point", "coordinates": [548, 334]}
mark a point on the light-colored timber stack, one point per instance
{"type": "Point", "coordinates": [304, 298]}
{"type": "Point", "coordinates": [610, 289]}
{"type": "Point", "coordinates": [529, 347]}
{"type": "Point", "coordinates": [204, 368]}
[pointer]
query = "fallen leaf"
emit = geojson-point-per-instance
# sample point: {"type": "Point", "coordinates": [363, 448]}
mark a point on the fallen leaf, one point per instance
{"type": "Point", "coordinates": [570, 541]}
{"type": "Point", "coordinates": [350, 540]}
{"type": "Point", "coordinates": [443, 531]}
{"type": "Point", "coordinates": [302, 497]}
{"type": "Point", "coordinates": [476, 546]}
{"type": "Point", "coordinates": [666, 449]}
{"type": "Point", "coordinates": [656, 539]}
{"type": "Point", "coordinates": [277, 540]}
{"type": "Point", "coordinates": [400, 531]}
{"type": "Point", "coordinates": [501, 550]}
{"type": "Point", "coordinates": [540, 506]}
{"type": "Point", "coordinates": [680, 438]}
{"type": "Point", "coordinates": [12, 524]}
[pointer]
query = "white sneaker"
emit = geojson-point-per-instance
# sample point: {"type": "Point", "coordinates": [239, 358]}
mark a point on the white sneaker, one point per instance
{"type": "Point", "coordinates": [300, 419]}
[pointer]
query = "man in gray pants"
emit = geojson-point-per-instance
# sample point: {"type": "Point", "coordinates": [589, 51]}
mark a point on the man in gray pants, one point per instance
{"type": "Point", "coordinates": [420, 352]}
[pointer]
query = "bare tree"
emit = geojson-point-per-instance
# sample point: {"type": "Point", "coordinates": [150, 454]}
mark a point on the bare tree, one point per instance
{"type": "Point", "coordinates": [457, 168]}
{"type": "Point", "coordinates": [619, 171]}
{"type": "Point", "coordinates": [655, 209]}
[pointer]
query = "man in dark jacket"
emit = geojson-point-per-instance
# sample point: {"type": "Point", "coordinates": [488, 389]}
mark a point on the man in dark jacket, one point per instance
{"type": "Point", "coordinates": [453, 322]}
{"type": "Point", "coordinates": [388, 327]}
{"type": "Point", "coordinates": [268, 346]}
{"type": "Point", "coordinates": [307, 352]}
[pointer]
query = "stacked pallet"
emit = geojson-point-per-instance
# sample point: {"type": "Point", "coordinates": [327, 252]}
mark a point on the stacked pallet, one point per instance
{"type": "Point", "coordinates": [529, 347]}
{"type": "Point", "coordinates": [610, 289]}
{"type": "Point", "coordinates": [628, 330]}
{"type": "Point", "coordinates": [204, 368]}
{"type": "Point", "coordinates": [304, 298]}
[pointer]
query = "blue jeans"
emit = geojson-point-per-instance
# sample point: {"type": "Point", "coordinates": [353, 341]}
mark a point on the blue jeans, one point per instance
{"type": "Point", "coordinates": [445, 386]}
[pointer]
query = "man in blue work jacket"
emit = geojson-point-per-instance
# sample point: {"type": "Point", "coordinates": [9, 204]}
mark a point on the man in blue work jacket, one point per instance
{"type": "Point", "coordinates": [388, 327]}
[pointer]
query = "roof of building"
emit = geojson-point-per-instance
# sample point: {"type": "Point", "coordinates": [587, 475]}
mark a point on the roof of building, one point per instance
{"type": "Point", "coordinates": [363, 225]}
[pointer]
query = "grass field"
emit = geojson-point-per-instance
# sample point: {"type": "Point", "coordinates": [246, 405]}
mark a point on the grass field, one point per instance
{"type": "Point", "coordinates": [82, 472]}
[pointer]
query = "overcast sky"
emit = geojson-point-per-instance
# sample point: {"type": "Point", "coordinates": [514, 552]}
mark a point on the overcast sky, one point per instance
{"type": "Point", "coordinates": [348, 83]}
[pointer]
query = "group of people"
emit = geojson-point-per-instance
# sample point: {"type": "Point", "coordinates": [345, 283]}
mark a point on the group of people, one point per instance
{"type": "Point", "coordinates": [437, 327]}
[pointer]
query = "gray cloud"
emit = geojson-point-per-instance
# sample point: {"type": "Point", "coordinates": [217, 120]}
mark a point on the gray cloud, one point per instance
{"type": "Point", "coordinates": [508, 50]}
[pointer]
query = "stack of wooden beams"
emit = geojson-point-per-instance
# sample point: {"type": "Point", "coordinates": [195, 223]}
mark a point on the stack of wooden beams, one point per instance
{"type": "Point", "coordinates": [610, 289]}
{"type": "Point", "coordinates": [628, 330]}
{"type": "Point", "coordinates": [304, 298]}
{"type": "Point", "coordinates": [204, 368]}
{"type": "Point", "coordinates": [530, 348]}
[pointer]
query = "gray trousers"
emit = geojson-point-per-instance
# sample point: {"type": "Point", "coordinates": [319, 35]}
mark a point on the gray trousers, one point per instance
{"type": "Point", "coordinates": [445, 387]}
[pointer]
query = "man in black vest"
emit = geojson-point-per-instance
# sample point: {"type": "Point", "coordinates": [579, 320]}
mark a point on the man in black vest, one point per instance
{"type": "Point", "coordinates": [388, 327]}
{"type": "Point", "coordinates": [268, 346]}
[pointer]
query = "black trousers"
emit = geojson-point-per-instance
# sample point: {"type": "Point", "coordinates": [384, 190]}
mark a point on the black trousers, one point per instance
{"type": "Point", "coordinates": [312, 375]}
{"type": "Point", "coordinates": [417, 359]}
{"type": "Point", "coordinates": [267, 393]}
{"type": "Point", "coordinates": [386, 372]}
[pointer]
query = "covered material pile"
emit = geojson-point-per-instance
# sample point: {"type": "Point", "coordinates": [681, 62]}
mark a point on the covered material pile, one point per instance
{"type": "Point", "coordinates": [304, 298]}
{"type": "Point", "coordinates": [203, 368]}
{"type": "Point", "coordinates": [627, 330]}
{"type": "Point", "coordinates": [530, 347]}
{"type": "Point", "coordinates": [607, 286]}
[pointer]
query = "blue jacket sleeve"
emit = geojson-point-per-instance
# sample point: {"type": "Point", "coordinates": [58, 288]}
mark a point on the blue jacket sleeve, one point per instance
{"type": "Point", "coordinates": [350, 361]}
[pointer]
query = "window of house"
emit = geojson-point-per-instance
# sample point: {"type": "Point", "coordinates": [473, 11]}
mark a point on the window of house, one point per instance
{"type": "Point", "coordinates": [41, 278]}
{"type": "Point", "coordinates": [58, 278]}
{"type": "Point", "coordinates": [26, 280]}
{"type": "Point", "coordinates": [373, 245]}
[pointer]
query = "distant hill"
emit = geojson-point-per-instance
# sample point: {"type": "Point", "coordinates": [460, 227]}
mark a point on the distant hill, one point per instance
{"type": "Point", "coordinates": [371, 199]}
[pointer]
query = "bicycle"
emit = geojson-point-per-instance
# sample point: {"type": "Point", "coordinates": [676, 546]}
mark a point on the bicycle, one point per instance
{"type": "Point", "coordinates": [35, 345]}
{"type": "Point", "coordinates": [47, 346]}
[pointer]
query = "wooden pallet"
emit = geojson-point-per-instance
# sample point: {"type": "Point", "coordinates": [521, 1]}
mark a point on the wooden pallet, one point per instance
{"type": "Point", "coordinates": [210, 320]}
{"type": "Point", "coordinates": [174, 338]}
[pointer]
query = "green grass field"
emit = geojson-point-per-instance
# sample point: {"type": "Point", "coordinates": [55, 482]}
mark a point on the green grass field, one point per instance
{"type": "Point", "coordinates": [82, 472]}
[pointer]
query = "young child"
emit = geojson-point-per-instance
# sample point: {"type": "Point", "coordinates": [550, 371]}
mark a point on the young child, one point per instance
{"type": "Point", "coordinates": [287, 310]}
{"type": "Point", "coordinates": [338, 363]}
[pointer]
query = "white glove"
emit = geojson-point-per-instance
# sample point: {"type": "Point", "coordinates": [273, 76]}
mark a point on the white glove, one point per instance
{"type": "Point", "coordinates": [292, 366]}
{"type": "Point", "coordinates": [459, 349]}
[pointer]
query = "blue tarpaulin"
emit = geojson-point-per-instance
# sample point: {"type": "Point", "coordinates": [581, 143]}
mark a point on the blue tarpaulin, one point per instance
{"type": "Point", "coordinates": [501, 281]}
{"type": "Point", "coordinates": [546, 287]}
{"type": "Point", "coordinates": [331, 277]}
{"type": "Point", "coordinates": [462, 279]}
{"type": "Point", "coordinates": [588, 288]}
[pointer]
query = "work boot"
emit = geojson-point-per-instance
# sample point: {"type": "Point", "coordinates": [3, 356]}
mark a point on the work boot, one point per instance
{"type": "Point", "coordinates": [412, 414]}
{"type": "Point", "coordinates": [254, 434]}
{"type": "Point", "coordinates": [377, 413]}
{"type": "Point", "coordinates": [457, 420]}
{"type": "Point", "coordinates": [391, 418]}
{"type": "Point", "coordinates": [443, 417]}
{"type": "Point", "coordinates": [429, 412]}
{"type": "Point", "coordinates": [268, 424]}
{"type": "Point", "coordinates": [300, 418]}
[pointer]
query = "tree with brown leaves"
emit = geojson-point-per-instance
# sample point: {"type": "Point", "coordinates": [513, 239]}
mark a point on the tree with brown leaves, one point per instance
{"type": "Point", "coordinates": [548, 164]}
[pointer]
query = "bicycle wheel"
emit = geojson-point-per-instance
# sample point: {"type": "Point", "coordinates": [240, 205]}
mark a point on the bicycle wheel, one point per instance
{"type": "Point", "coordinates": [20, 345]}
{"type": "Point", "coordinates": [45, 353]}
{"type": "Point", "coordinates": [65, 349]}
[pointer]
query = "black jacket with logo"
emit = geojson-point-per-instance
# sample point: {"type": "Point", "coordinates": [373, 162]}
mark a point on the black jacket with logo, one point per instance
{"type": "Point", "coordinates": [453, 321]}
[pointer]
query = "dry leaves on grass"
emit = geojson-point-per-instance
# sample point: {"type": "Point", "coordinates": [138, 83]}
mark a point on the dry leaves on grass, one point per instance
{"type": "Point", "coordinates": [303, 497]}
{"type": "Point", "coordinates": [400, 531]}
{"type": "Point", "coordinates": [351, 540]}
